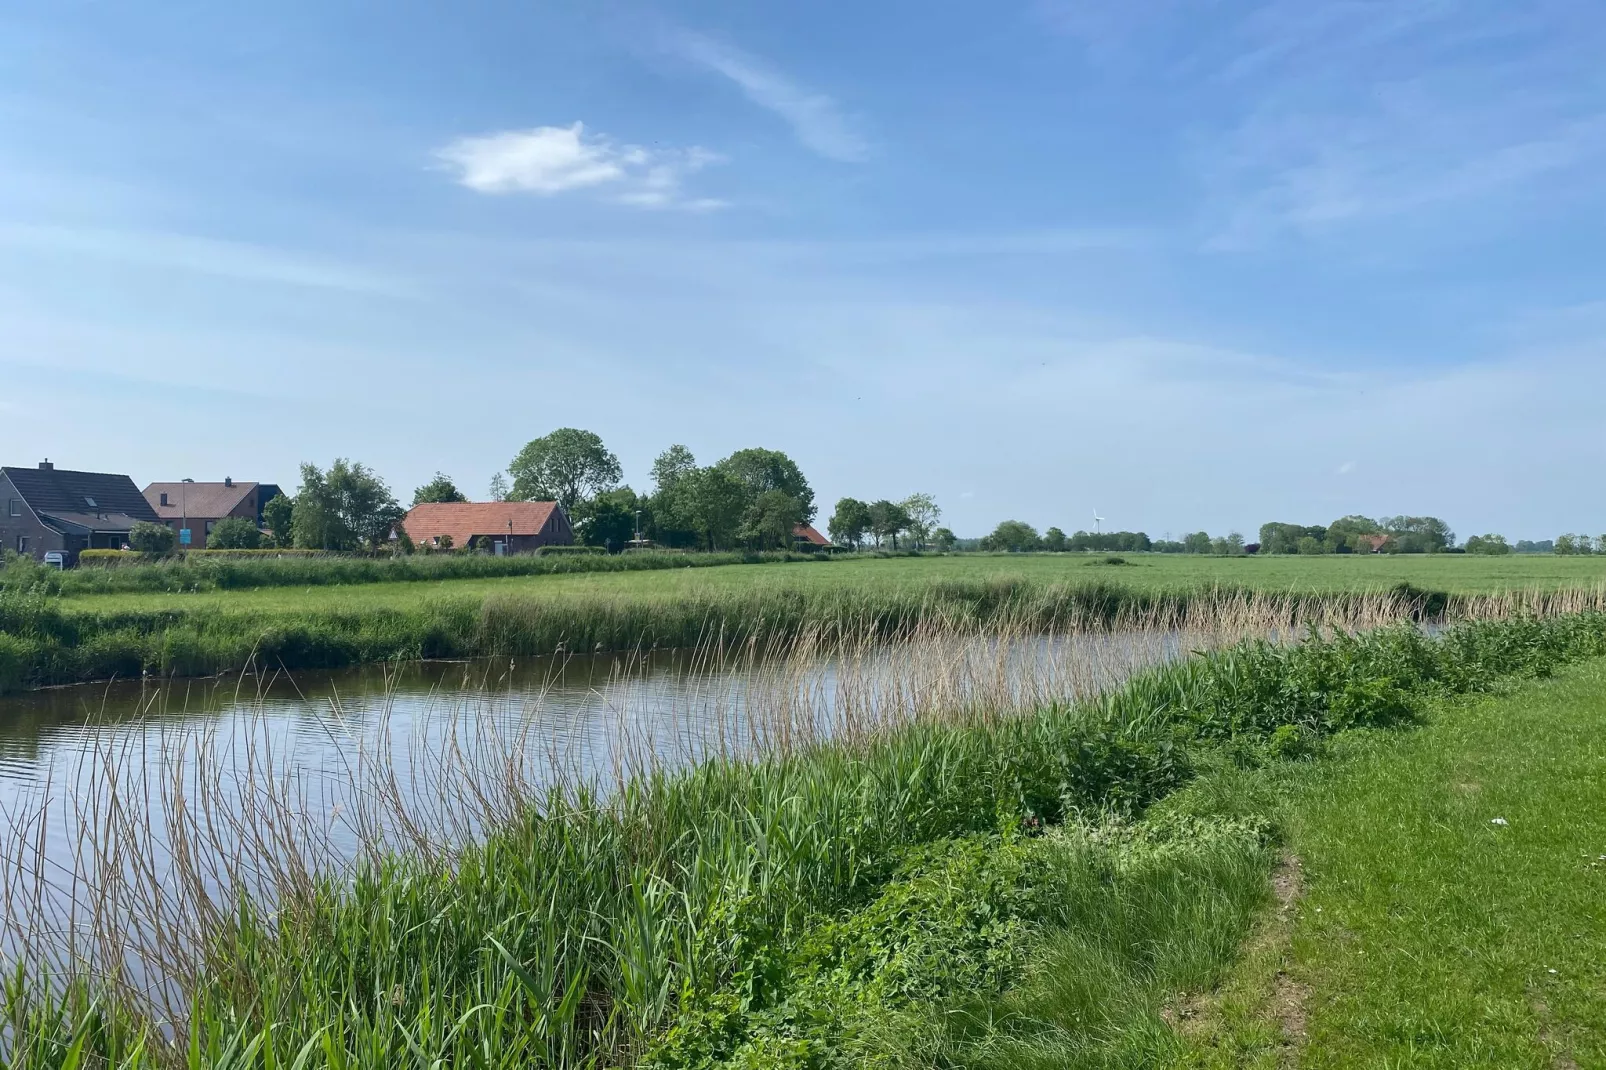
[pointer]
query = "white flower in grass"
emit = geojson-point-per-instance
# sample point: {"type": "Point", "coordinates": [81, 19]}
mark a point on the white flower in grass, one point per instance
{"type": "Point", "coordinates": [1498, 821]}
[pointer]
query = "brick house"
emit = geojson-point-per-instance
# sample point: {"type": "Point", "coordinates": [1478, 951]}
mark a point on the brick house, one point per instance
{"type": "Point", "coordinates": [500, 527]}
{"type": "Point", "coordinates": [46, 508]}
{"type": "Point", "coordinates": [808, 537]}
{"type": "Point", "coordinates": [199, 506]}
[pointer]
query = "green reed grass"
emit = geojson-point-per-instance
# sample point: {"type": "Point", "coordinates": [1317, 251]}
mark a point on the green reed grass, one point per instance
{"type": "Point", "coordinates": [790, 910]}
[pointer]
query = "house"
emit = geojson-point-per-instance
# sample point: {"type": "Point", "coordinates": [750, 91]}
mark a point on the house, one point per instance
{"type": "Point", "coordinates": [500, 527]}
{"type": "Point", "coordinates": [46, 508]}
{"type": "Point", "coordinates": [807, 538]}
{"type": "Point", "coordinates": [1368, 544]}
{"type": "Point", "coordinates": [199, 506]}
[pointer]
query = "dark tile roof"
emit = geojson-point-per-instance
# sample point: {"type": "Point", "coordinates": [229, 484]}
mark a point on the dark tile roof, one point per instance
{"type": "Point", "coordinates": [60, 493]}
{"type": "Point", "coordinates": [83, 523]}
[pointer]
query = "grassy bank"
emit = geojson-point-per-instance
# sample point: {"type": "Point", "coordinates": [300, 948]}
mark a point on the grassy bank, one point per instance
{"type": "Point", "coordinates": [46, 641]}
{"type": "Point", "coordinates": [1451, 913]}
{"type": "Point", "coordinates": [979, 892]}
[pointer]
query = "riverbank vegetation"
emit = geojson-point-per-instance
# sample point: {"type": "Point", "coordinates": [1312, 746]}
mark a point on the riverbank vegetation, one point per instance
{"type": "Point", "coordinates": [961, 884]}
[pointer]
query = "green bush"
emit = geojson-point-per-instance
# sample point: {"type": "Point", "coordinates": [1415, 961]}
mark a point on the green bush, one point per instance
{"type": "Point", "coordinates": [110, 558]}
{"type": "Point", "coordinates": [571, 551]}
{"type": "Point", "coordinates": [234, 533]}
{"type": "Point", "coordinates": [150, 538]}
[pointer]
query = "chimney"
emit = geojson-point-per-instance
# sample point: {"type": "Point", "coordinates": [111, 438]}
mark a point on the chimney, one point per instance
{"type": "Point", "coordinates": [46, 466]}
{"type": "Point", "coordinates": [228, 481]}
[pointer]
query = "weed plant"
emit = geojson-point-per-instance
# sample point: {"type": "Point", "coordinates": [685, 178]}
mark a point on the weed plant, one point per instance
{"type": "Point", "coordinates": [963, 889]}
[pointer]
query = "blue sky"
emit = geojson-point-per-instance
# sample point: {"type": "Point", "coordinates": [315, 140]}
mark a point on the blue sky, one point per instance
{"type": "Point", "coordinates": [1197, 265]}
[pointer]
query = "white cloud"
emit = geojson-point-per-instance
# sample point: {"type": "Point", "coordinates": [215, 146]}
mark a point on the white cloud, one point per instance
{"type": "Point", "coordinates": [548, 160]}
{"type": "Point", "coordinates": [1346, 468]}
{"type": "Point", "coordinates": [815, 118]}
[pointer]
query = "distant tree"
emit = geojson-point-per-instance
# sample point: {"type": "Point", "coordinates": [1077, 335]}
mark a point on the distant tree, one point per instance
{"type": "Point", "coordinates": [234, 533]}
{"type": "Point", "coordinates": [343, 509]}
{"type": "Point", "coordinates": [1054, 540]}
{"type": "Point", "coordinates": [850, 523]}
{"type": "Point", "coordinates": [499, 488]}
{"type": "Point", "coordinates": [439, 489]}
{"type": "Point", "coordinates": [404, 542]}
{"type": "Point", "coordinates": [1417, 535]}
{"type": "Point", "coordinates": [445, 542]}
{"type": "Point", "coordinates": [1542, 546]}
{"type": "Point", "coordinates": [761, 470]}
{"type": "Point", "coordinates": [565, 466]}
{"type": "Point", "coordinates": [1235, 543]}
{"type": "Point", "coordinates": [149, 538]}
{"type": "Point", "coordinates": [1014, 536]}
{"type": "Point", "coordinates": [670, 466]}
{"type": "Point", "coordinates": [1310, 545]}
{"type": "Point", "coordinates": [608, 519]}
{"type": "Point", "coordinates": [279, 514]}
{"type": "Point", "coordinates": [1197, 543]}
{"type": "Point", "coordinates": [1345, 535]}
{"type": "Point", "coordinates": [943, 540]}
{"type": "Point", "coordinates": [923, 514]}
{"type": "Point", "coordinates": [1567, 545]}
{"type": "Point", "coordinates": [770, 522]}
{"type": "Point", "coordinates": [714, 501]}
{"type": "Point", "coordinates": [887, 520]}
{"type": "Point", "coordinates": [1489, 545]}
{"type": "Point", "coordinates": [1169, 546]}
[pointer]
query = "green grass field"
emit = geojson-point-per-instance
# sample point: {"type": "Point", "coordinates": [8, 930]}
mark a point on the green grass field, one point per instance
{"type": "Point", "coordinates": [1453, 912]}
{"type": "Point", "coordinates": [1456, 574]}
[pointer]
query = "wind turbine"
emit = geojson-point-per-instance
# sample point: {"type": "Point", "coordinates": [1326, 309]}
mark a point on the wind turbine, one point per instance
{"type": "Point", "coordinates": [1097, 520]}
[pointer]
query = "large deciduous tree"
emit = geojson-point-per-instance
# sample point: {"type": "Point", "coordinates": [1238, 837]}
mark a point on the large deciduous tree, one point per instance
{"type": "Point", "coordinates": [234, 533]}
{"type": "Point", "coordinates": [771, 522]}
{"type": "Point", "coordinates": [279, 514]}
{"type": "Point", "coordinates": [566, 466]}
{"type": "Point", "coordinates": [439, 489]}
{"type": "Point", "coordinates": [923, 514]}
{"type": "Point", "coordinates": [761, 470]}
{"type": "Point", "coordinates": [344, 508]}
{"type": "Point", "coordinates": [713, 502]}
{"type": "Point", "coordinates": [850, 523]}
{"type": "Point", "coordinates": [1015, 536]}
{"type": "Point", "coordinates": [609, 519]}
{"type": "Point", "coordinates": [887, 521]}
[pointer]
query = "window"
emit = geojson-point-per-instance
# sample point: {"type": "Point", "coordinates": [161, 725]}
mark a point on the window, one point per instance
{"type": "Point", "coordinates": [91, 502]}
{"type": "Point", "coordinates": [22, 544]}
{"type": "Point", "coordinates": [164, 498]}
{"type": "Point", "coordinates": [210, 524]}
{"type": "Point", "coordinates": [15, 508]}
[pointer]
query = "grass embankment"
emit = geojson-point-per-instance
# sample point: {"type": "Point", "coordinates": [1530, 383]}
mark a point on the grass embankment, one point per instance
{"type": "Point", "coordinates": [1454, 903]}
{"type": "Point", "coordinates": [1016, 892]}
{"type": "Point", "coordinates": [47, 640]}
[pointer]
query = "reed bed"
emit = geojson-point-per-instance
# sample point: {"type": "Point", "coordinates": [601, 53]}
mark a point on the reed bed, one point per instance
{"type": "Point", "coordinates": [44, 641]}
{"type": "Point", "coordinates": [495, 899]}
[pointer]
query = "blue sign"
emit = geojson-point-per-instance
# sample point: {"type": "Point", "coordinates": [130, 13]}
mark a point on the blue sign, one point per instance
{"type": "Point", "coordinates": [183, 536]}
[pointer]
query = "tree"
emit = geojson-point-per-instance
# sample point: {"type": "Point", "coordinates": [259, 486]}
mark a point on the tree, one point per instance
{"type": "Point", "coordinates": [1310, 545]}
{"type": "Point", "coordinates": [1054, 540]}
{"type": "Point", "coordinates": [149, 538]}
{"type": "Point", "coordinates": [850, 523]}
{"type": "Point", "coordinates": [887, 519]}
{"type": "Point", "coordinates": [923, 514]}
{"type": "Point", "coordinates": [344, 508]}
{"type": "Point", "coordinates": [607, 520]}
{"type": "Point", "coordinates": [404, 542]}
{"type": "Point", "coordinates": [770, 522]}
{"type": "Point", "coordinates": [234, 533]}
{"type": "Point", "coordinates": [1417, 535]}
{"type": "Point", "coordinates": [1488, 545]}
{"type": "Point", "coordinates": [943, 540]}
{"type": "Point", "coordinates": [714, 501]}
{"type": "Point", "coordinates": [1015, 536]}
{"type": "Point", "coordinates": [761, 470]}
{"type": "Point", "coordinates": [279, 515]}
{"type": "Point", "coordinates": [671, 466]}
{"type": "Point", "coordinates": [1197, 543]}
{"type": "Point", "coordinates": [499, 488]}
{"type": "Point", "coordinates": [566, 466]}
{"type": "Point", "coordinates": [439, 489]}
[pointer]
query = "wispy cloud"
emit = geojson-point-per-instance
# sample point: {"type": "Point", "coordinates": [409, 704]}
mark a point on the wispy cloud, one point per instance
{"type": "Point", "coordinates": [815, 118]}
{"type": "Point", "coordinates": [548, 160]}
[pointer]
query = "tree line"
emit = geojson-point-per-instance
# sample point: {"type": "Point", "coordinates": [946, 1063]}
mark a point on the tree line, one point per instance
{"type": "Point", "coordinates": [754, 498]}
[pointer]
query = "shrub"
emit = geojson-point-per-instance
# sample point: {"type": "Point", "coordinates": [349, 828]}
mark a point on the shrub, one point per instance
{"type": "Point", "coordinates": [109, 558]}
{"type": "Point", "coordinates": [152, 538]}
{"type": "Point", "coordinates": [234, 533]}
{"type": "Point", "coordinates": [560, 551]}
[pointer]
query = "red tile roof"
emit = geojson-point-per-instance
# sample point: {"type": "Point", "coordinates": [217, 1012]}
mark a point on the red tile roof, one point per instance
{"type": "Point", "coordinates": [464, 520]}
{"type": "Point", "coordinates": [807, 533]}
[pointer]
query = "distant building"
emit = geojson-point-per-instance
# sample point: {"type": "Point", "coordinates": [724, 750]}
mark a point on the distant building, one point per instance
{"type": "Point", "coordinates": [808, 538]}
{"type": "Point", "coordinates": [199, 506]}
{"type": "Point", "coordinates": [498, 527]}
{"type": "Point", "coordinates": [1372, 544]}
{"type": "Point", "coordinates": [46, 508]}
